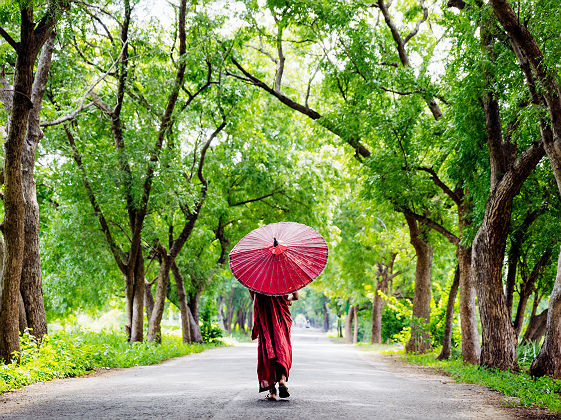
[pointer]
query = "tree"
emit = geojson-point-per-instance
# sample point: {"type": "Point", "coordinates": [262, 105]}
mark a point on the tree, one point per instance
{"type": "Point", "coordinates": [137, 161]}
{"type": "Point", "coordinates": [32, 37]}
{"type": "Point", "coordinates": [536, 69]}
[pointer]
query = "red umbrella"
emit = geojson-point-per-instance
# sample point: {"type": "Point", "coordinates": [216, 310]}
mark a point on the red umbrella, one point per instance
{"type": "Point", "coordinates": [279, 258]}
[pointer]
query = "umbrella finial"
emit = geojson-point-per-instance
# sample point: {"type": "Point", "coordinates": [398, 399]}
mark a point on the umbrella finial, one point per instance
{"type": "Point", "coordinates": [275, 242]}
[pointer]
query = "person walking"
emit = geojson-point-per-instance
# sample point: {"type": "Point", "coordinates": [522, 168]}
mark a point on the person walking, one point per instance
{"type": "Point", "coordinates": [274, 262]}
{"type": "Point", "coordinates": [272, 323]}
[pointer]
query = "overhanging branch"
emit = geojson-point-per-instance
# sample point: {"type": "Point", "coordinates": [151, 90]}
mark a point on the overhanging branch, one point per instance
{"type": "Point", "coordinates": [9, 39]}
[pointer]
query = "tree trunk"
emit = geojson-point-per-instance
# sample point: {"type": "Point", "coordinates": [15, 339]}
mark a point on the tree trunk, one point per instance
{"type": "Point", "coordinates": [22, 316]}
{"type": "Point", "coordinates": [250, 318]}
{"type": "Point", "coordinates": [31, 284]}
{"type": "Point", "coordinates": [221, 312]}
{"type": "Point", "coordinates": [526, 289]}
{"type": "Point", "coordinates": [148, 300]}
{"type": "Point", "coordinates": [447, 340]}
{"type": "Point", "coordinates": [136, 303]}
{"type": "Point", "coordinates": [194, 300]}
{"type": "Point", "coordinates": [154, 324]}
{"type": "Point", "coordinates": [183, 306]}
{"type": "Point", "coordinates": [420, 337]}
{"type": "Point", "coordinates": [240, 319]}
{"type": "Point", "coordinates": [498, 348]}
{"type": "Point", "coordinates": [471, 349]}
{"type": "Point", "coordinates": [14, 201]}
{"type": "Point", "coordinates": [355, 320]}
{"type": "Point", "coordinates": [536, 327]}
{"type": "Point", "coordinates": [196, 335]}
{"type": "Point", "coordinates": [326, 325]}
{"type": "Point", "coordinates": [348, 325]}
{"type": "Point", "coordinates": [377, 307]}
{"type": "Point", "coordinates": [229, 312]}
{"type": "Point", "coordinates": [548, 361]}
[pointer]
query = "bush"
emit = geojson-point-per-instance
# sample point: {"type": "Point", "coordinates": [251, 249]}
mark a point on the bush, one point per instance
{"type": "Point", "coordinates": [392, 324]}
{"type": "Point", "coordinates": [68, 354]}
{"type": "Point", "coordinates": [210, 331]}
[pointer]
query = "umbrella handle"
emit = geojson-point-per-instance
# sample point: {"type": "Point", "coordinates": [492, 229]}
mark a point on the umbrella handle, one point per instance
{"type": "Point", "coordinates": [275, 242]}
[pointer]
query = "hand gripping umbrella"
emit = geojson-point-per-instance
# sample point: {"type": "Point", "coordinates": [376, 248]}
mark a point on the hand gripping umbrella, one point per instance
{"type": "Point", "coordinates": [279, 258]}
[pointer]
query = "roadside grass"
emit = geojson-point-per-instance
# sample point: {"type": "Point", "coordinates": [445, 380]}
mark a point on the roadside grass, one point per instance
{"type": "Point", "coordinates": [77, 352]}
{"type": "Point", "coordinates": [539, 392]}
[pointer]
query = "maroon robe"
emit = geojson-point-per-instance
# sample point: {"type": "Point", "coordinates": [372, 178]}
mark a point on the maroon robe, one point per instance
{"type": "Point", "coordinates": [272, 324]}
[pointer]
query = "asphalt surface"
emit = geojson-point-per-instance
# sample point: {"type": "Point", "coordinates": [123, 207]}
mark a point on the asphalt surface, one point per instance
{"type": "Point", "coordinates": [328, 381]}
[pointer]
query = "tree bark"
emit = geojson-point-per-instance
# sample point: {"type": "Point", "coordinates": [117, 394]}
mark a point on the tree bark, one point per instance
{"type": "Point", "coordinates": [548, 361]}
{"type": "Point", "coordinates": [137, 315]}
{"type": "Point", "coordinates": [148, 300]}
{"type": "Point", "coordinates": [355, 321]}
{"type": "Point", "coordinates": [420, 339]}
{"type": "Point", "coordinates": [194, 301]}
{"type": "Point", "coordinates": [250, 317]}
{"type": "Point", "coordinates": [154, 327]}
{"type": "Point", "coordinates": [13, 227]}
{"type": "Point", "coordinates": [22, 316]}
{"type": "Point", "coordinates": [536, 327]}
{"type": "Point", "coordinates": [31, 284]}
{"type": "Point", "coordinates": [471, 349]}
{"type": "Point", "coordinates": [221, 312]}
{"type": "Point", "coordinates": [348, 325]}
{"type": "Point", "coordinates": [196, 335]}
{"type": "Point", "coordinates": [325, 315]}
{"type": "Point", "coordinates": [183, 306]}
{"type": "Point", "coordinates": [447, 339]}
{"type": "Point", "coordinates": [229, 312]}
{"type": "Point", "coordinates": [377, 307]}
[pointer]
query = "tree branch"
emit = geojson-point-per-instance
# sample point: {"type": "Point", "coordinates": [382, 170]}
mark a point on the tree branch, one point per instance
{"type": "Point", "coordinates": [252, 200]}
{"type": "Point", "coordinates": [280, 62]}
{"type": "Point", "coordinates": [68, 117]}
{"type": "Point", "coordinates": [440, 184]}
{"type": "Point", "coordinates": [188, 227]}
{"type": "Point", "coordinates": [100, 103]}
{"type": "Point", "coordinates": [284, 99]}
{"type": "Point", "coordinates": [118, 254]}
{"type": "Point", "coordinates": [9, 39]}
{"type": "Point", "coordinates": [395, 33]}
{"type": "Point", "coordinates": [418, 24]}
{"type": "Point", "coordinates": [432, 224]}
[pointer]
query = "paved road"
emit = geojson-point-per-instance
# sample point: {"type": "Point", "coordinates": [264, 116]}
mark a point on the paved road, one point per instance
{"type": "Point", "coordinates": [328, 381]}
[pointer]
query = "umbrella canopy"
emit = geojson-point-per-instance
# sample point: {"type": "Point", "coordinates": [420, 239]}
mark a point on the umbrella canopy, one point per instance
{"type": "Point", "coordinates": [279, 258]}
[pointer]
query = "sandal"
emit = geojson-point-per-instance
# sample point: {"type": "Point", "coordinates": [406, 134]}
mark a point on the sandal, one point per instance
{"type": "Point", "coordinates": [283, 391]}
{"type": "Point", "coordinates": [272, 395]}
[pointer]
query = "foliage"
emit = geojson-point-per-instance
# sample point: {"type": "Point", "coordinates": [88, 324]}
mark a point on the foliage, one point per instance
{"type": "Point", "coordinates": [75, 353]}
{"type": "Point", "coordinates": [392, 325]}
{"type": "Point", "coordinates": [210, 330]}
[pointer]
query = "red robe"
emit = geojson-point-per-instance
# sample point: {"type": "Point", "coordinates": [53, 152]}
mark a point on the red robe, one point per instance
{"type": "Point", "coordinates": [272, 324]}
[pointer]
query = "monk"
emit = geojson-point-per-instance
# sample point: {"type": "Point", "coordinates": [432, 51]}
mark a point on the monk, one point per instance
{"type": "Point", "coordinates": [271, 325]}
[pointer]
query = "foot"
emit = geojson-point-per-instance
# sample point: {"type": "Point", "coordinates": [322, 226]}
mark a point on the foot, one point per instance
{"type": "Point", "coordinates": [272, 395]}
{"type": "Point", "coordinates": [283, 390]}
